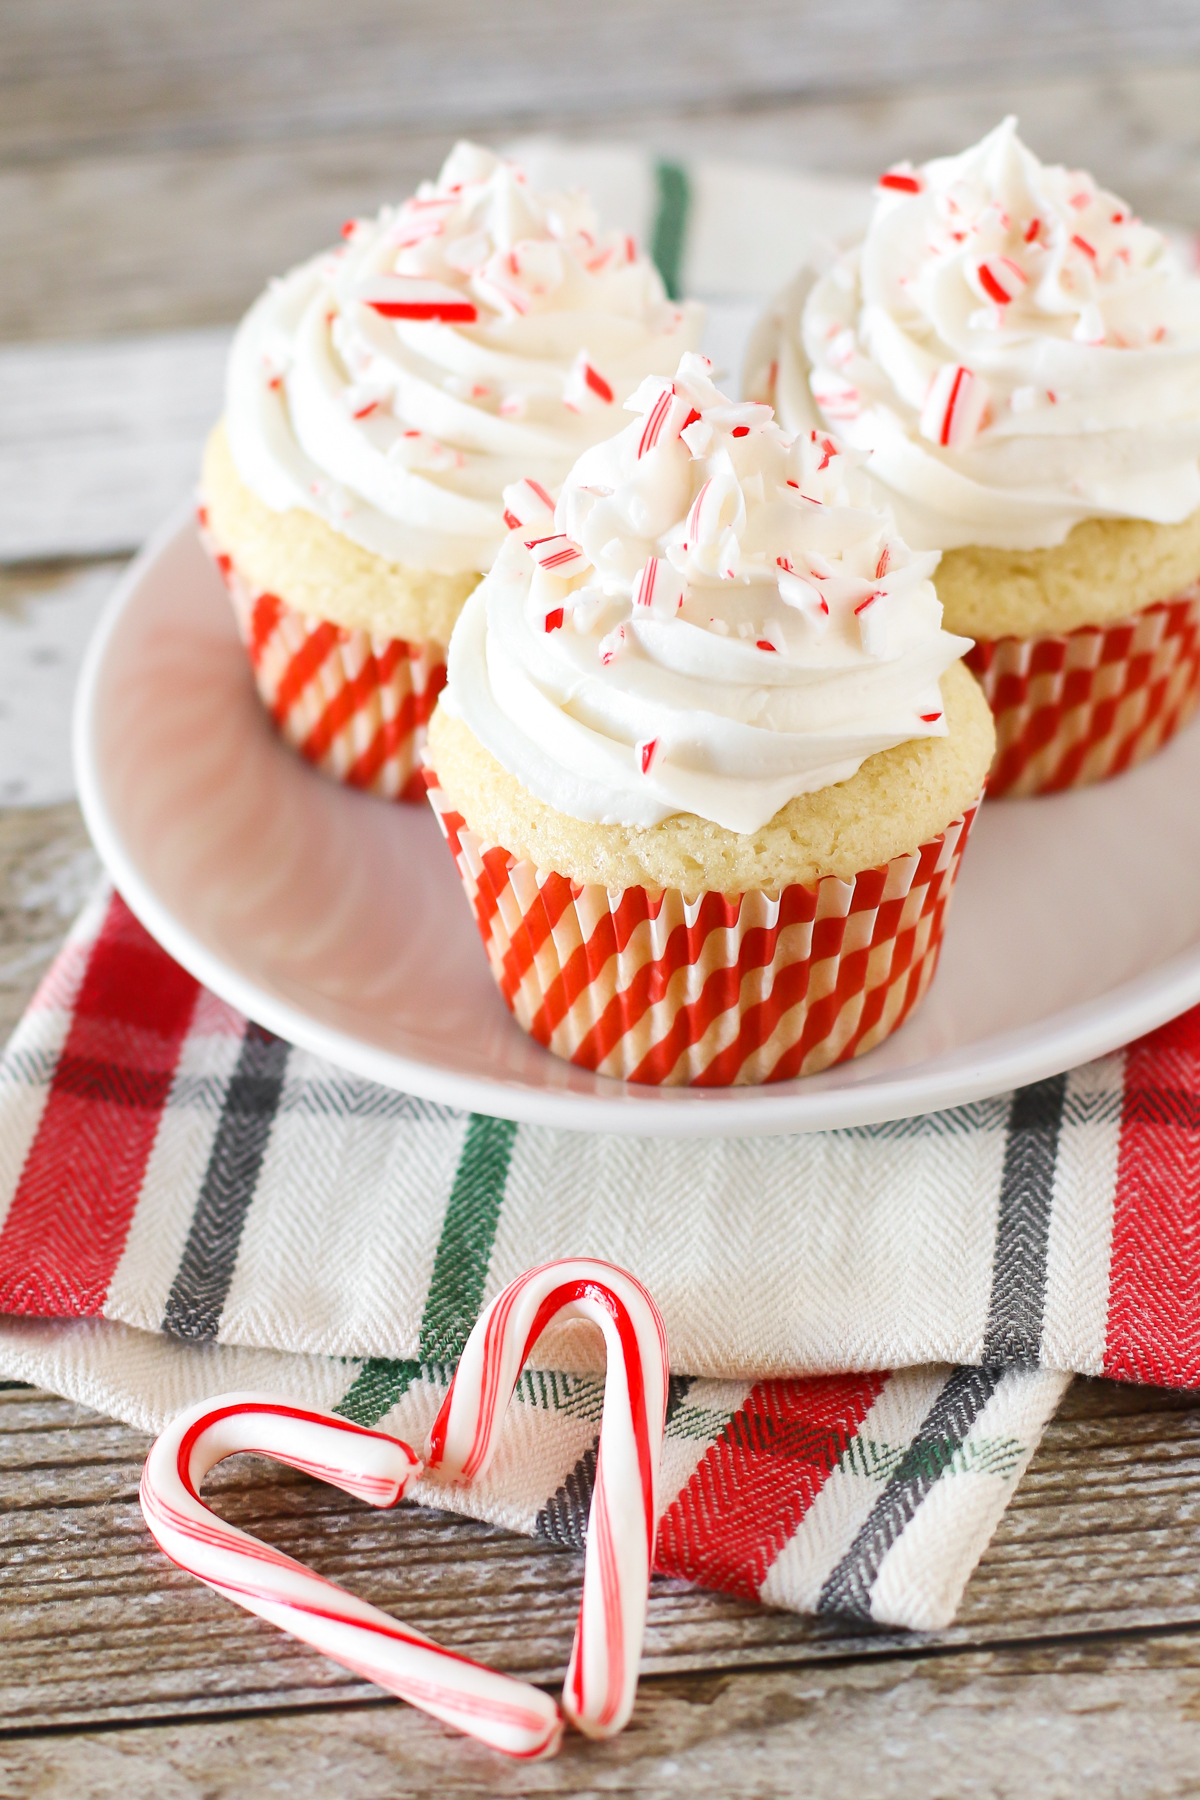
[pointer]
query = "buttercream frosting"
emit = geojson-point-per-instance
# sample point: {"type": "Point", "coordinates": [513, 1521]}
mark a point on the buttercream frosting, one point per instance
{"type": "Point", "coordinates": [474, 334]}
{"type": "Point", "coordinates": [714, 618]}
{"type": "Point", "coordinates": [1016, 351]}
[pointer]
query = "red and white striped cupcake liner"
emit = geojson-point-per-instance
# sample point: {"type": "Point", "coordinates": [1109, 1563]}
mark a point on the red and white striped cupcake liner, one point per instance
{"type": "Point", "coordinates": [1076, 709]}
{"type": "Point", "coordinates": [721, 991]}
{"type": "Point", "coordinates": [354, 705]}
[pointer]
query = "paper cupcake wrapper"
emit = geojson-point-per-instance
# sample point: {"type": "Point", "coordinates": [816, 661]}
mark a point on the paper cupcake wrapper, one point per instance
{"type": "Point", "coordinates": [721, 991]}
{"type": "Point", "coordinates": [354, 705]}
{"type": "Point", "coordinates": [1076, 709]}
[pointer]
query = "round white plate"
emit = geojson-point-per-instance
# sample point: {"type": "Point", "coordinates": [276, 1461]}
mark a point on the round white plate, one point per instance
{"type": "Point", "coordinates": [338, 921]}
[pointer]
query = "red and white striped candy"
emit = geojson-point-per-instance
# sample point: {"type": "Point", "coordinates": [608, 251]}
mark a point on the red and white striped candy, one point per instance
{"type": "Point", "coordinates": [669, 415]}
{"type": "Point", "coordinates": [901, 178]}
{"type": "Point", "coordinates": [800, 594]}
{"type": "Point", "coordinates": [557, 554]}
{"type": "Point", "coordinates": [613, 644]}
{"type": "Point", "coordinates": [527, 503]}
{"type": "Point", "coordinates": [411, 297]}
{"type": "Point", "coordinates": [658, 589]}
{"type": "Point", "coordinates": [602, 1676]}
{"type": "Point", "coordinates": [585, 388]}
{"type": "Point", "coordinates": [507, 1714]}
{"type": "Point", "coordinates": [718, 505]}
{"type": "Point", "coordinates": [999, 278]}
{"type": "Point", "coordinates": [954, 407]}
{"type": "Point", "coordinates": [872, 616]}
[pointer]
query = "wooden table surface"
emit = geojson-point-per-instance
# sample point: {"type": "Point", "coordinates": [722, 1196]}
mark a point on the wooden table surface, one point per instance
{"type": "Point", "coordinates": [157, 163]}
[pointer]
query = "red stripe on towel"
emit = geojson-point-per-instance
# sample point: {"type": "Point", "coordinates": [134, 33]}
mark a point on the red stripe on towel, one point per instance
{"type": "Point", "coordinates": [1154, 1276]}
{"type": "Point", "coordinates": [74, 1203]}
{"type": "Point", "coordinates": [751, 1489]}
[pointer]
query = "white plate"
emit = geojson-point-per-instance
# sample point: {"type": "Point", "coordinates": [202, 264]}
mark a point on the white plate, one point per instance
{"type": "Point", "coordinates": [338, 921]}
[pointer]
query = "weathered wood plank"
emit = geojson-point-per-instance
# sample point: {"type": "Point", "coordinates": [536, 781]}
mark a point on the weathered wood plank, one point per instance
{"type": "Point", "coordinates": [148, 74]}
{"type": "Point", "coordinates": [1101, 1537]}
{"type": "Point", "coordinates": [47, 869]}
{"type": "Point", "coordinates": [99, 441]}
{"type": "Point", "coordinates": [47, 615]}
{"type": "Point", "coordinates": [179, 238]}
{"type": "Point", "coordinates": [1109, 1718]}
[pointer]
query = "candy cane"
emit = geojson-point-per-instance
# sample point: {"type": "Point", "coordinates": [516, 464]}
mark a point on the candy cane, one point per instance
{"type": "Point", "coordinates": [526, 502]}
{"type": "Point", "coordinates": [670, 414]}
{"type": "Point", "coordinates": [409, 297]}
{"type": "Point", "coordinates": [1000, 279]}
{"type": "Point", "coordinates": [602, 1676]}
{"type": "Point", "coordinates": [658, 589]}
{"type": "Point", "coordinates": [509, 1715]}
{"type": "Point", "coordinates": [954, 407]}
{"type": "Point", "coordinates": [585, 386]}
{"type": "Point", "coordinates": [558, 554]}
{"type": "Point", "coordinates": [902, 178]}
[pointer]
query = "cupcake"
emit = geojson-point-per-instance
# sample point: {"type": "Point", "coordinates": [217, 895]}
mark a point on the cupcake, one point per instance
{"type": "Point", "coordinates": [379, 400]}
{"type": "Point", "coordinates": [706, 760]}
{"type": "Point", "coordinates": [1021, 358]}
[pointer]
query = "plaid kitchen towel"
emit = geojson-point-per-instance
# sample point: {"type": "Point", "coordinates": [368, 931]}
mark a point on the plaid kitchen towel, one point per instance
{"type": "Point", "coordinates": [869, 1328]}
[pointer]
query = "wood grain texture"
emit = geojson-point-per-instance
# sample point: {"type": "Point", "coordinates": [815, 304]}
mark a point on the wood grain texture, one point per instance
{"type": "Point", "coordinates": [99, 441]}
{"type": "Point", "coordinates": [1101, 1538]}
{"type": "Point", "coordinates": [1111, 1720]}
{"type": "Point", "coordinates": [175, 237]}
{"type": "Point", "coordinates": [149, 74]}
{"type": "Point", "coordinates": [47, 869]}
{"type": "Point", "coordinates": [1075, 1661]}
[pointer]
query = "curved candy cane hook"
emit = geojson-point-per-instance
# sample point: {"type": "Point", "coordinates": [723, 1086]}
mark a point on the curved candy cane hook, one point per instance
{"type": "Point", "coordinates": [602, 1677]}
{"type": "Point", "coordinates": [507, 1714]}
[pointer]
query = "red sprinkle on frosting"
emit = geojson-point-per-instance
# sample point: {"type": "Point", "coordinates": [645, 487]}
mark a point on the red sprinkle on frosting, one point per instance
{"type": "Point", "coordinates": [900, 181]}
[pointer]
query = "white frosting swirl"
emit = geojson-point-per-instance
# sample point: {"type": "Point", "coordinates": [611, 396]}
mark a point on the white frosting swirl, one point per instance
{"type": "Point", "coordinates": [714, 619]}
{"type": "Point", "coordinates": [477, 333]}
{"type": "Point", "coordinates": [1016, 351]}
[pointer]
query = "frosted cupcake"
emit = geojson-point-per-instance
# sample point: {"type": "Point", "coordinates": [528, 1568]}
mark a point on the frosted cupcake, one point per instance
{"type": "Point", "coordinates": [379, 400]}
{"type": "Point", "coordinates": [1021, 358]}
{"type": "Point", "coordinates": [706, 760]}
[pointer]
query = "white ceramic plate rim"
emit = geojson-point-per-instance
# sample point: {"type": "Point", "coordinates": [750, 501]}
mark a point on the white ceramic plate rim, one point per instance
{"type": "Point", "coordinates": [1009, 1059]}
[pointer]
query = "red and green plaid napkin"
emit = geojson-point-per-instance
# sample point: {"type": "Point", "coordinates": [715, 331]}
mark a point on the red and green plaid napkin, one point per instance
{"type": "Point", "coordinates": [868, 1328]}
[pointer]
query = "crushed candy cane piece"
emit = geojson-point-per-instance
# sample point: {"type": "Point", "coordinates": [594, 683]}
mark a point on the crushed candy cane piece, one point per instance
{"type": "Point", "coordinates": [409, 297]}
{"type": "Point", "coordinates": [526, 502]}
{"type": "Point", "coordinates": [658, 589]}
{"type": "Point", "coordinates": [585, 387]}
{"type": "Point", "coordinates": [955, 407]}
{"type": "Point", "coordinates": [1000, 279]}
{"type": "Point", "coordinates": [901, 178]}
{"type": "Point", "coordinates": [557, 554]}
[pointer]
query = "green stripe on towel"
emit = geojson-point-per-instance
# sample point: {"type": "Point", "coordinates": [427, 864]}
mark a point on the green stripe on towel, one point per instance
{"type": "Point", "coordinates": [459, 1272]}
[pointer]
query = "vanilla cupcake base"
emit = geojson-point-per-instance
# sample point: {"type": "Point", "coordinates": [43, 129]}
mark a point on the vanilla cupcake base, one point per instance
{"type": "Point", "coordinates": [1076, 708]}
{"type": "Point", "coordinates": [1088, 653]}
{"type": "Point", "coordinates": [348, 650]}
{"type": "Point", "coordinates": [354, 705]}
{"type": "Point", "coordinates": [689, 954]}
{"type": "Point", "coordinates": [717, 991]}
{"type": "Point", "coordinates": [898, 798]}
